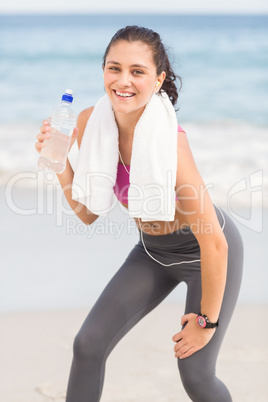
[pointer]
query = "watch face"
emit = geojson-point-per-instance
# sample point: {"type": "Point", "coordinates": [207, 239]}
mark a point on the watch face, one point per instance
{"type": "Point", "coordinates": [201, 321]}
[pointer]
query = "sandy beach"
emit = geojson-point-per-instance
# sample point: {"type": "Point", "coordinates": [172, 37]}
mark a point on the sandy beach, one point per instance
{"type": "Point", "coordinates": [36, 353]}
{"type": "Point", "coordinates": [49, 277]}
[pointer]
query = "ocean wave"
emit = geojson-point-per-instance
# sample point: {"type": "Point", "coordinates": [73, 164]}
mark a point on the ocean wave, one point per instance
{"type": "Point", "coordinates": [231, 158]}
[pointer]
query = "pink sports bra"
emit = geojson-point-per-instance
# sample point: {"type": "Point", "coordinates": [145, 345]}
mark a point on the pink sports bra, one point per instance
{"type": "Point", "coordinates": [122, 181]}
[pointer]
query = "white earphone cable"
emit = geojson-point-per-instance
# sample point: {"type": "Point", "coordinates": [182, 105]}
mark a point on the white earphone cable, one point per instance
{"type": "Point", "coordinates": [173, 263]}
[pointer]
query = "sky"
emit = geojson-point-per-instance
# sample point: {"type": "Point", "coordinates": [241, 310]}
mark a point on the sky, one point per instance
{"type": "Point", "coordinates": [138, 6]}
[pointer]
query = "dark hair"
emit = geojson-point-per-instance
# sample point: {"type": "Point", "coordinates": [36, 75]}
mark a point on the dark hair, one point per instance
{"type": "Point", "coordinates": [134, 33]}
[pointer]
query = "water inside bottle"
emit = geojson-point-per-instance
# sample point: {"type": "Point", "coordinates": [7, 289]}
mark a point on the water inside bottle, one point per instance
{"type": "Point", "coordinates": [53, 154]}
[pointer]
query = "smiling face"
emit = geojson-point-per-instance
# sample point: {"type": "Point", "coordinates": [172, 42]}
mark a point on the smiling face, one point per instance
{"type": "Point", "coordinates": [130, 77]}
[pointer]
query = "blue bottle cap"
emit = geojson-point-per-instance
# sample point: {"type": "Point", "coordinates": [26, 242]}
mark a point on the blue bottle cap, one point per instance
{"type": "Point", "coordinates": [68, 96]}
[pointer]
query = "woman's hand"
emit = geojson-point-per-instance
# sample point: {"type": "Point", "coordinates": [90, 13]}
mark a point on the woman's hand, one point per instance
{"type": "Point", "coordinates": [191, 338]}
{"type": "Point", "coordinates": [44, 135]}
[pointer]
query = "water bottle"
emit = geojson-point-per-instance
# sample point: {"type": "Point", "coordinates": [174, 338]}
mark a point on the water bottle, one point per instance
{"type": "Point", "coordinates": [54, 154]}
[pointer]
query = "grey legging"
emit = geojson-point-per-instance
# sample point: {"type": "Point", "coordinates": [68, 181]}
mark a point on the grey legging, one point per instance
{"type": "Point", "coordinates": [136, 289]}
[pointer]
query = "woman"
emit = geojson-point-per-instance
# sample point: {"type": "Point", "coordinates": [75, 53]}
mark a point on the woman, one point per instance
{"type": "Point", "coordinates": [203, 241]}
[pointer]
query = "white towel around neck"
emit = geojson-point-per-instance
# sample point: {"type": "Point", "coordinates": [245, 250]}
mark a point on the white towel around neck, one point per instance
{"type": "Point", "coordinates": [153, 166]}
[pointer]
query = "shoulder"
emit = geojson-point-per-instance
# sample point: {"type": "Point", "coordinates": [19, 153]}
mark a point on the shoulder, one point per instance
{"type": "Point", "coordinates": [181, 135]}
{"type": "Point", "coordinates": [182, 139]}
{"type": "Point", "coordinates": [180, 129]}
{"type": "Point", "coordinates": [82, 122]}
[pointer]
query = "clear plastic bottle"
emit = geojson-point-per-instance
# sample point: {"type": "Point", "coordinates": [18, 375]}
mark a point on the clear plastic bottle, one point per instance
{"type": "Point", "coordinates": [54, 154]}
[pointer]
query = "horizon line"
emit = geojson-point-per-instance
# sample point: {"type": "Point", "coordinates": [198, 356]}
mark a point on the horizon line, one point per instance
{"type": "Point", "coordinates": [167, 14]}
{"type": "Point", "coordinates": [131, 13]}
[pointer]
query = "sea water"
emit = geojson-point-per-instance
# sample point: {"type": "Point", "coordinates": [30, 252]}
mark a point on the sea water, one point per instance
{"type": "Point", "coordinates": [223, 62]}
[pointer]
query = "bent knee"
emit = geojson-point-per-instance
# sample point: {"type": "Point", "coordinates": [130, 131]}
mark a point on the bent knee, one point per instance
{"type": "Point", "coordinates": [195, 378]}
{"type": "Point", "coordinates": [202, 386]}
{"type": "Point", "coordinates": [88, 345]}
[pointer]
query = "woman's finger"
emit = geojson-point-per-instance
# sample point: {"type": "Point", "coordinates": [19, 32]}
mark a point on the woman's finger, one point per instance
{"type": "Point", "coordinates": [179, 345]}
{"type": "Point", "coordinates": [177, 337]}
{"type": "Point", "coordinates": [182, 351]}
{"type": "Point", "coordinates": [189, 352]}
{"type": "Point", "coordinates": [75, 132]}
{"type": "Point", "coordinates": [41, 137]}
{"type": "Point", "coordinates": [39, 146]}
{"type": "Point", "coordinates": [45, 128]}
{"type": "Point", "coordinates": [186, 317]}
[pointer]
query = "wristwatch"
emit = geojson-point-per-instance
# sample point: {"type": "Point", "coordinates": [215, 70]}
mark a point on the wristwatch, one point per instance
{"type": "Point", "coordinates": [204, 322]}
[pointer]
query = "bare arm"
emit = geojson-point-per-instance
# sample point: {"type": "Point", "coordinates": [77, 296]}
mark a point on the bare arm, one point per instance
{"type": "Point", "coordinates": [200, 213]}
{"type": "Point", "coordinates": [66, 178]}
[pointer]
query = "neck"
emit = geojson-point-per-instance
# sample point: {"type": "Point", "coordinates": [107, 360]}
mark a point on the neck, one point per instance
{"type": "Point", "coordinates": [126, 123]}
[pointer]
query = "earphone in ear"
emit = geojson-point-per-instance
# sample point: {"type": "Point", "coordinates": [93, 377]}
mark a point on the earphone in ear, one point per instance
{"type": "Point", "coordinates": [157, 85]}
